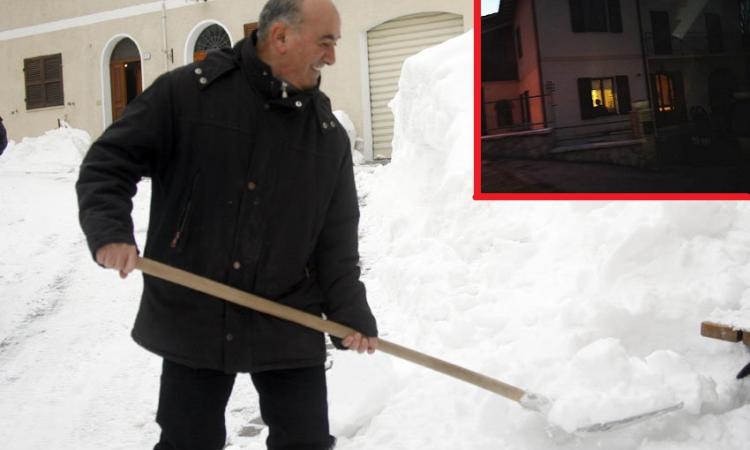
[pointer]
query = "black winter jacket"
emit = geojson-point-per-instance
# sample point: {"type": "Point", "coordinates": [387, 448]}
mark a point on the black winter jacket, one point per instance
{"type": "Point", "coordinates": [249, 189]}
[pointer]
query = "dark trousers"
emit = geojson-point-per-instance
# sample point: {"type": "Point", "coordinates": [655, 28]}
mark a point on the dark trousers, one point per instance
{"type": "Point", "coordinates": [293, 403]}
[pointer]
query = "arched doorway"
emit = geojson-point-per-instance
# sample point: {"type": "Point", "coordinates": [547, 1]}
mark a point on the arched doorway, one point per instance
{"type": "Point", "coordinates": [124, 75]}
{"type": "Point", "coordinates": [213, 37]}
{"type": "Point", "coordinates": [388, 45]}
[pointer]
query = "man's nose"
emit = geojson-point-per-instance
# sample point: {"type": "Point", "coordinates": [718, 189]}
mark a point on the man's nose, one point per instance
{"type": "Point", "coordinates": [330, 56]}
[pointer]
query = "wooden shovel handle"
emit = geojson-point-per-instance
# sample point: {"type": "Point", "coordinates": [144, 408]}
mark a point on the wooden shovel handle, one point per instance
{"type": "Point", "coordinates": [246, 299]}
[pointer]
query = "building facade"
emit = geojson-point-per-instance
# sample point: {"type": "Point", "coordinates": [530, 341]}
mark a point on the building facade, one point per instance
{"type": "Point", "coordinates": [82, 62]}
{"type": "Point", "coordinates": [687, 62]}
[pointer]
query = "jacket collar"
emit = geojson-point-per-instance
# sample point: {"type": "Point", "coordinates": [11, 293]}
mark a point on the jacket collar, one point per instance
{"type": "Point", "coordinates": [261, 76]}
{"type": "Point", "coordinates": [272, 89]}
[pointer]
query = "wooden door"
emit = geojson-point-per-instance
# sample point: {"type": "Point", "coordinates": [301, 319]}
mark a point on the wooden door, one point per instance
{"type": "Point", "coordinates": [126, 84]}
{"type": "Point", "coordinates": [248, 28]}
{"type": "Point", "coordinates": [119, 88]}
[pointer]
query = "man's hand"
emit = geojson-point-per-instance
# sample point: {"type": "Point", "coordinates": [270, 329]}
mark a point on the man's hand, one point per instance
{"type": "Point", "coordinates": [360, 343]}
{"type": "Point", "coordinates": [121, 257]}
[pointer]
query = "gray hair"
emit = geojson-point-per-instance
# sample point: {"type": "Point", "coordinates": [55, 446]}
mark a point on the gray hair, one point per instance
{"type": "Point", "coordinates": [288, 11]}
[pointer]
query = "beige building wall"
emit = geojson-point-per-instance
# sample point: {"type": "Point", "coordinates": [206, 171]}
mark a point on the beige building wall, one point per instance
{"type": "Point", "coordinates": [85, 33]}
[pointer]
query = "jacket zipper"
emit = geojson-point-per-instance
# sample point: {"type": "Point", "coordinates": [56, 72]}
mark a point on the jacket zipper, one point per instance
{"type": "Point", "coordinates": [185, 215]}
{"type": "Point", "coordinates": [181, 227]}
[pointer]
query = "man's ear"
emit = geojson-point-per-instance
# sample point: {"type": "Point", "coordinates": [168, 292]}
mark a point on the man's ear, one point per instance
{"type": "Point", "coordinates": [278, 37]}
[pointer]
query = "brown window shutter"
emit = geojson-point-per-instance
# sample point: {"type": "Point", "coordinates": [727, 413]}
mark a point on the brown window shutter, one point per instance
{"type": "Point", "coordinates": [577, 16]}
{"type": "Point", "coordinates": [623, 94]}
{"type": "Point", "coordinates": [52, 68]}
{"type": "Point", "coordinates": [43, 79]}
{"type": "Point", "coordinates": [32, 69]}
{"type": "Point", "coordinates": [53, 80]}
{"type": "Point", "coordinates": [33, 76]}
{"type": "Point", "coordinates": [584, 97]}
{"type": "Point", "coordinates": [54, 93]}
{"type": "Point", "coordinates": [615, 16]}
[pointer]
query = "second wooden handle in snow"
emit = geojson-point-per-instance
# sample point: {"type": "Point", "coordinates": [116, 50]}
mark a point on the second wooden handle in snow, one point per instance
{"type": "Point", "coordinates": [246, 299]}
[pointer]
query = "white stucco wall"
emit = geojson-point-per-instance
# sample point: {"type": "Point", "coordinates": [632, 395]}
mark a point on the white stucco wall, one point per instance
{"type": "Point", "coordinates": [83, 49]}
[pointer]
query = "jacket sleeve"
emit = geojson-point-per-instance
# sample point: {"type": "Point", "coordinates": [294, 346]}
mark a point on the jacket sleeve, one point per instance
{"type": "Point", "coordinates": [3, 137]}
{"type": "Point", "coordinates": [127, 151]}
{"type": "Point", "coordinates": [337, 258]}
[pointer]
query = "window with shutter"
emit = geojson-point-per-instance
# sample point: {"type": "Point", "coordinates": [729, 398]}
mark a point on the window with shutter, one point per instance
{"type": "Point", "coordinates": [44, 81]}
{"type": "Point", "coordinates": [596, 16]}
{"type": "Point", "coordinates": [603, 96]}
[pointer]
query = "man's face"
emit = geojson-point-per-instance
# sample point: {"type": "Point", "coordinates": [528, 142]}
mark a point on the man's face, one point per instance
{"type": "Point", "coordinates": [312, 44]}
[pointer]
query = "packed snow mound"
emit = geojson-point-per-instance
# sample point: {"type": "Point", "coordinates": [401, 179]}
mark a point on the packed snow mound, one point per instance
{"type": "Point", "coordinates": [433, 112]}
{"type": "Point", "coordinates": [351, 132]}
{"type": "Point", "coordinates": [59, 150]}
{"type": "Point", "coordinates": [596, 305]}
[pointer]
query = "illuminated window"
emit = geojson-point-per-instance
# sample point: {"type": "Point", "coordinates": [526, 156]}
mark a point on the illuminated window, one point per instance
{"type": "Point", "coordinates": [665, 98]}
{"type": "Point", "coordinates": [603, 96]}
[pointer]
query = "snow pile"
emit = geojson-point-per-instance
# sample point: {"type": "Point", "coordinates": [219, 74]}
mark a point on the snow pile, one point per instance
{"type": "Point", "coordinates": [351, 132]}
{"type": "Point", "coordinates": [596, 305]}
{"type": "Point", "coordinates": [60, 150]}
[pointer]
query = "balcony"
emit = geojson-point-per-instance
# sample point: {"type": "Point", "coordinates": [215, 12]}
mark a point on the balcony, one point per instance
{"type": "Point", "coordinates": [696, 44]}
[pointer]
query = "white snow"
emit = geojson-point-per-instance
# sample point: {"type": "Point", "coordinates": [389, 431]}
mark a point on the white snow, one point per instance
{"type": "Point", "coordinates": [596, 305]}
{"type": "Point", "coordinates": [351, 133]}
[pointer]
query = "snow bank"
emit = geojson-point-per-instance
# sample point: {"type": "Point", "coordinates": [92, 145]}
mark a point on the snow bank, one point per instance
{"type": "Point", "coordinates": [351, 132]}
{"type": "Point", "coordinates": [57, 151]}
{"type": "Point", "coordinates": [594, 304]}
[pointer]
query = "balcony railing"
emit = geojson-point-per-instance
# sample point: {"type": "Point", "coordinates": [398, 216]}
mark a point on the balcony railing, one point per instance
{"type": "Point", "coordinates": [696, 44]}
{"type": "Point", "coordinates": [514, 114]}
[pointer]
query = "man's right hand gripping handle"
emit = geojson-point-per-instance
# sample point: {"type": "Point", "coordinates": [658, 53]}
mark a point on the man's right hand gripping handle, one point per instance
{"type": "Point", "coordinates": [120, 257]}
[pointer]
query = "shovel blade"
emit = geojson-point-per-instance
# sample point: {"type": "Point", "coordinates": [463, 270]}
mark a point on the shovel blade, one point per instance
{"type": "Point", "coordinates": [610, 425]}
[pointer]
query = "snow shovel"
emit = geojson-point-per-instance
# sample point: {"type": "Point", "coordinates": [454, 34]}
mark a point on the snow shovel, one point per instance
{"type": "Point", "coordinates": [528, 400]}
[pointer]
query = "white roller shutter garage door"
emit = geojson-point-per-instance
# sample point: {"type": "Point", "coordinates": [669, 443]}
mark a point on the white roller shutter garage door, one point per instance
{"type": "Point", "coordinates": [388, 45]}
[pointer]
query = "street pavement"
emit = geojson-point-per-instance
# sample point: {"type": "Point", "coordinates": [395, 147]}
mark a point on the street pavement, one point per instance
{"type": "Point", "coordinates": [536, 176]}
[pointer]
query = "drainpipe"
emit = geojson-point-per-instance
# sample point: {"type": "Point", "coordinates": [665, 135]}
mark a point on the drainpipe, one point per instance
{"type": "Point", "coordinates": [646, 70]}
{"type": "Point", "coordinates": [539, 64]}
{"type": "Point", "coordinates": [164, 34]}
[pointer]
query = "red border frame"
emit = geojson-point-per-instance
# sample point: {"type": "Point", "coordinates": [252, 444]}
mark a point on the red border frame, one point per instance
{"type": "Point", "coordinates": [479, 195]}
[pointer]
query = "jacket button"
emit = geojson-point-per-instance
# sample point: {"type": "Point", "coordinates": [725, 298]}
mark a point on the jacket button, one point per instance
{"type": "Point", "coordinates": [298, 104]}
{"type": "Point", "coordinates": [203, 80]}
{"type": "Point", "coordinates": [325, 125]}
{"type": "Point", "coordinates": [333, 124]}
{"type": "Point", "coordinates": [198, 71]}
{"type": "Point", "coordinates": [266, 106]}
{"type": "Point", "coordinates": [251, 185]}
{"type": "Point", "coordinates": [230, 337]}
{"type": "Point", "coordinates": [256, 202]}
{"type": "Point", "coordinates": [236, 265]}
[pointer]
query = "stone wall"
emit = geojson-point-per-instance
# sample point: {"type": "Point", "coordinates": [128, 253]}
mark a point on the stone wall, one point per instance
{"type": "Point", "coordinates": [542, 145]}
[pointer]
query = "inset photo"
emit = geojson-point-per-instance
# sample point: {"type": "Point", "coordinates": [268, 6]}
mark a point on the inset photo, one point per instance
{"type": "Point", "coordinates": [614, 97]}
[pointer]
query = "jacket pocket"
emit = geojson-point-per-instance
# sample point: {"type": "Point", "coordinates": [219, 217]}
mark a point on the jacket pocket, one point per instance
{"type": "Point", "coordinates": [180, 235]}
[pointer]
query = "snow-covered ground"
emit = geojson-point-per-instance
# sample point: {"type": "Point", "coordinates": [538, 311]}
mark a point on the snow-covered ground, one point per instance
{"type": "Point", "coordinates": [596, 305]}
